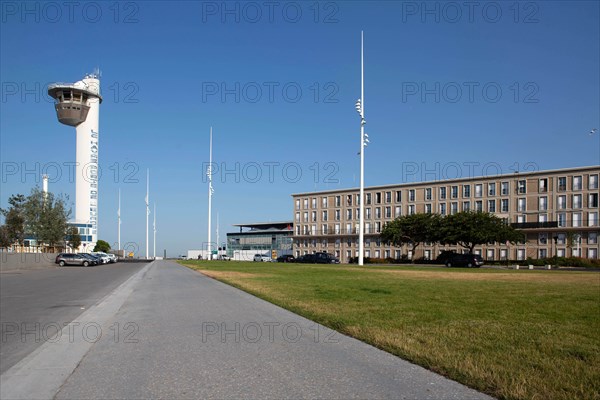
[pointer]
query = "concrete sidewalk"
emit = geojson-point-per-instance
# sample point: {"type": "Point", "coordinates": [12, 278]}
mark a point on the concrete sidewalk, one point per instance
{"type": "Point", "coordinates": [180, 334]}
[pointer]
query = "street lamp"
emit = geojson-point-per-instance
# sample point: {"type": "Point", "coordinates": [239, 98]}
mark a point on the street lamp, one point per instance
{"type": "Point", "coordinates": [364, 140]}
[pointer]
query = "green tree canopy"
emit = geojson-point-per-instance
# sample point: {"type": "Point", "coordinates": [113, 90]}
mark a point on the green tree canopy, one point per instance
{"type": "Point", "coordinates": [102, 246]}
{"type": "Point", "coordinates": [469, 229]}
{"type": "Point", "coordinates": [73, 237]}
{"type": "Point", "coordinates": [15, 219]}
{"type": "Point", "coordinates": [412, 230]}
{"type": "Point", "coordinates": [46, 217]}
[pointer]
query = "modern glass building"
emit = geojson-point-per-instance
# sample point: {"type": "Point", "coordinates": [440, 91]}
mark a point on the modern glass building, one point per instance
{"type": "Point", "coordinates": [272, 238]}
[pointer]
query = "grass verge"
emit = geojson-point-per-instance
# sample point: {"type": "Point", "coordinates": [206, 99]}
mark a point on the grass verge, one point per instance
{"type": "Point", "coordinates": [511, 334]}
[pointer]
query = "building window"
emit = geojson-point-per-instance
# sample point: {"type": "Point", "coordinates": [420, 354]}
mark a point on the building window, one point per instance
{"type": "Point", "coordinates": [358, 199]}
{"type": "Point", "coordinates": [543, 185]}
{"type": "Point", "coordinates": [543, 253]}
{"type": "Point", "coordinates": [377, 227]}
{"type": "Point", "coordinates": [398, 211]}
{"type": "Point", "coordinates": [349, 200]}
{"type": "Point", "coordinates": [454, 207]}
{"type": "Point", "coordinates": [466, 191]}
{"type": "Point", "coordinates": [323, 202]}
{"type": "Point", "coordinates": [378, 198]}
{"type": "Point", "coordinates": [562, 183]}
{"type": "Point", "coordinates": [504, 188]}
{"type": "Point", "coordinates": [428, 194]}
{"type": "Point", "coordinates": [388, 212]}
{"type": "Point", "coordinates": [357, 213]}
{"type": "Point", "coordinates": [562, 219]}
{"type": "Point", "coordinates": [348, 232]}
{"type": "Point", "coordinates": [313, 203]}
{"type": "Point", "coordinates": [454, 192]}
{"type": "Point", "coordinates": [443, 208]}
{"type": "Point", "coordinates": [479, 206]}
{"type": "Point", "coordinates": [337, 215]}
{"type": "Point", "coordinates": [325, 231]}
{"type": "Point", "coordinates": [297, 217]}
{"type": "Point", "coordinates": [297, 204]}
{"type": "Point", "coordinates": [576, 201]}
{"type": "Point", "coordinates": [543, 217]}
{"type": "Point", "coordinates": [368, 227]}
{"type": "Point", "coordinates": [313, 216]}
{"type": "Point", "coordinates": [388, 197]}
{"type": "Point", "coordinates": [443, 193]}
{"type": "Point", "coordinates": [593, 182]}
{"type": "Point", "coordinates": [522, 186]}
{"type": "Point", "coordinates": [562, 202]}
{"type": "Point", "coordinates": [561, 238]}
{"type": "Point", "coordinates": [411, 209]}
{"type": "Point", "coordinates": [593, 219]}
{"type": "Point", "coordinates": [503, 254]}
{"type": "Point", "coordinates": [504, 205]}
{"type": "Point", "coordinates": [324, 215]}
{"type": "Point", "coordinates": [577, 183]}
{"type": "Point", "coordinates": [466, 206]}
{"type": "Point", "coordinates": [337, 229]}
{"type": "Point", "coordinates": [348, 214]}
{"type": "Point", "coordinates": [368, 199]}
{"type": "Point", "coordinates": [543, 238]}
{"type": "Point", "coordinates": [411, 195]}
{"type": "Point", "coordinates": [377, 212]}
{"type": "Point", "coordinates": [543, 203]}
{"type": "Point", "coordinates": [368, 213]}
{"type": "Point", "coordinates": [478, 190]}
{"type": "Point", "coordinates": [593, 200]}
{"type": "Point", "coordinates": [492, 206]}
{"type": "Point", "coordinates": [576, 220]}
{"type": "Point", "coordinates": [398, 196]}
{"type": "Point", "coordinates": [592, 254]}
{"type": "Point", "coordinates": [305, 216]}
{"type": "Point", "coordinates": [428, 208]}
{"type": "Point", "coordinates": [490, 255]}
{"type": "Point", "coordinates": [387, 253]}
{"type": "Point", "coordinates": [491, 189]}
{"type": "Point", "coordinates": [522, 204]}
{"type": "Point", "coordinates": [338, 201]}
{"type": "Point", "coordinates": [305, 203]}
{"type": "Point", "coordinates": [377, 253]}
{"type": "Point", "coordinates": [592, 238]}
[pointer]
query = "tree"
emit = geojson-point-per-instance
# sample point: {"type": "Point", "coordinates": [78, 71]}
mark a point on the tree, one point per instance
{"type": "Point", "coordinates": [15, 219]}
{"type": "Point", "coordinates": [46, 217]}
{"type": "Point", "coordinates": [102, 246]}
{"type": "Point", "coordinates": [412, 230]}
{"type": "Point", "coordinates": [5, 240]}
{"type": "Point", "coordinates": [469, 229]}
{"type": "Point", "coordinates": [73, 237]}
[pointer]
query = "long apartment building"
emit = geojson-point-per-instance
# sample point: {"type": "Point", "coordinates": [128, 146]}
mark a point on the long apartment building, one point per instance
{"type": "Point", "coordinates": [557, 209]}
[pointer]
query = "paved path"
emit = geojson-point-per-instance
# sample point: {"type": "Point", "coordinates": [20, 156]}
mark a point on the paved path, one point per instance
{"type": "Point", "coordinates": [170, 332]}
{"type": "Point", "coordinates": [34, 304]}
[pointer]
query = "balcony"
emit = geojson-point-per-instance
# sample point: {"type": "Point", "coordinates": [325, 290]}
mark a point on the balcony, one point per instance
{"type": "Point", "coordinates": [535, 225]}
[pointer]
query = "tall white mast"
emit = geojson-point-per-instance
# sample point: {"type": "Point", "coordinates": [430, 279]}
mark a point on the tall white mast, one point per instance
{"type": "Point", "coordinates": [210, 193]}
{"type": "Point", "coordinates": [154, 240]}
{"type": "Point", "coordinates": [119, 223]}
{"type": "Point", "coordinates": [361, 228]}
{"type": "Point", "coordinates": [217, 234]}
{"type": "Point", "coordinates": [147, 206]}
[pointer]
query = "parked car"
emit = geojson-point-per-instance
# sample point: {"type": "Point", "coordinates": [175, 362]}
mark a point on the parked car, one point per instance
{"type": "Point", "coordinates": [464, 260]}
{"type": "Point", "coordinates": [445, 256]}
{"type": "Point", "coordinates": [286, 258]}
{"type": "Point", "coordinates": [223, 257]}
{"type": "Point", "coordinates": [262, 258]}
{"type": "Point", "coordinates": [113, 257]}
{"type": "Point", "coordinates": [103, 256]}
{"type": "Point", "coordinates": [72, 259]}
{"type": "Point", "coordinates": [94, 260]}
{"type": "Point", "coordinates": [318, 258]}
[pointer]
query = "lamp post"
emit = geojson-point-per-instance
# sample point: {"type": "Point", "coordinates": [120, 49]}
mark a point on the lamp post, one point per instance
{"type": "Point", "coordinates": [364, 140]}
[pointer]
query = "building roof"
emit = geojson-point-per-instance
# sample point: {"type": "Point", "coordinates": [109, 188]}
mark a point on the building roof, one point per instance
{"type": "Point", "coordinates": [266, 225]}
{"type": "Point", "coordinates": [453, 180]}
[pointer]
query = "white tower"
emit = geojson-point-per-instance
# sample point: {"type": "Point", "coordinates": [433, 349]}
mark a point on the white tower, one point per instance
{"type": "Point", "coordinates": [78, 104]}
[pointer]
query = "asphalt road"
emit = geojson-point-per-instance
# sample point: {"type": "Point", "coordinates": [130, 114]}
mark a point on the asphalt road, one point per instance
{"type": "Point", "coordinates": [34, 304]}
{"type": "Point", "coordinates": [170, 332]}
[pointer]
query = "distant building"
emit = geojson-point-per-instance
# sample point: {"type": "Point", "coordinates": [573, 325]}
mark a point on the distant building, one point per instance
{"type": "Point", "coordinates": [558, 211]}
{"type": "Point", "coordinates": [273, 238]}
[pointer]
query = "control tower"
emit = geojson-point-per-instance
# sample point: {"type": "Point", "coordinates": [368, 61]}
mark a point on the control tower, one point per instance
{"type": "Point", "coordinates": [78, 104]}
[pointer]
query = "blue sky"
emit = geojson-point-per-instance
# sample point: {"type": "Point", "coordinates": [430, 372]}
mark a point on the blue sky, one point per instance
{"type": "Point", "coordinates": [452, 88]}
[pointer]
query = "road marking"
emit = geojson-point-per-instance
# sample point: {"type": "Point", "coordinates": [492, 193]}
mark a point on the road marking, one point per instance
{"type": "Point", "coordinates": [41, 374]}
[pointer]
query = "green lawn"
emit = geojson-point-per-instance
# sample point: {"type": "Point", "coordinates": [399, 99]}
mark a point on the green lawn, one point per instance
{"type": "Point", "coordinates": [511, 334]}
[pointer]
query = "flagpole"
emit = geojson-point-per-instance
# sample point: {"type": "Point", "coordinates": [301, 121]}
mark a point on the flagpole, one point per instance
{"type": "Point", "coordinates": [210, 190]}
{"type": "Point", "coordinates": [147, 206]}
{"type": "Point", "coordinates": [119, 222]}
{"type": "Point", "coordinates": [361, 227]}
{"type": "Point", "coordinates": [154, 239]}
